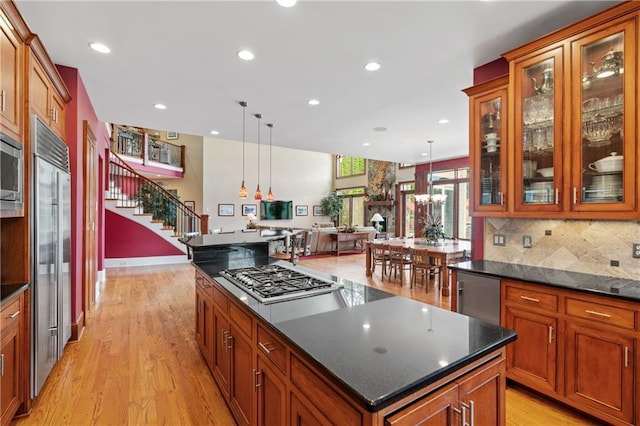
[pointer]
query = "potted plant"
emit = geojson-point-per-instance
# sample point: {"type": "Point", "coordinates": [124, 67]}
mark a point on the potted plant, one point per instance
{"type": "Point", "coordinates": [433, 229]}
{"type": "Point", "coordinates": [332, 206]}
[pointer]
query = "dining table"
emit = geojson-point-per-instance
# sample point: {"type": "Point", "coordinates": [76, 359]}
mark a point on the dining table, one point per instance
{"type": "Point", "coordinates": [448, 252]}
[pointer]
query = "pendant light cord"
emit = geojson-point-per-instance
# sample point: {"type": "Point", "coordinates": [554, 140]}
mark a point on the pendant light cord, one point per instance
{"type": "Point", "coordinates": [258, 116]}
{"type": "Point", "coordinates": [270, 154]}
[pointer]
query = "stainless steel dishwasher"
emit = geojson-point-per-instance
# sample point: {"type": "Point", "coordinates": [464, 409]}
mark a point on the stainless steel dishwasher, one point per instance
{"type": "Point", "coordinates": [479, 297]}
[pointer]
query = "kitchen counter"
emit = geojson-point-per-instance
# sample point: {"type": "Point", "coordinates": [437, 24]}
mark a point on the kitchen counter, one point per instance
{"type": "Point", "coordinates": [378, 346]}
{"type": "Point", "coordinates": [598, 284]}
{"type": "Point", "coordinates": [7, 291]}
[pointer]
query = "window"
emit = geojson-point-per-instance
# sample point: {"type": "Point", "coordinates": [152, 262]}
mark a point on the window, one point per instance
{"type": "Point", "coordinates": [349, 166]}
{"type": "Point", "coordinates": [455, 210]}
{"type": "Point", "coordinates": [352, 206]}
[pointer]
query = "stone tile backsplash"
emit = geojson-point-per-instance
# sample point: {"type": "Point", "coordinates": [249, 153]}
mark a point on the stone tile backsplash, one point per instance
{"type": "Point", "coordinates": [574, 245]}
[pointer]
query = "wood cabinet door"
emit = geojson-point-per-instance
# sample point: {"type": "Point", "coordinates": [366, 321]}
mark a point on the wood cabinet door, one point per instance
{"type": "Point", "coordinates": [302, 415]}
{"type": "Point", "coordinates": [243, 377]}
{"type": "Point", "coordinates": [204, 326]}
{"type": "Point", "coordinates": [272, 396]}
{"type": "Point", "coordinates": [221, 358]}
{"type": "Point", "coordinates": [600, 370]}
{"type": "Point", "coordinates": [57, 114]}
{"type": "Point", "coordinates": [531, 359]}
{"type": "Point", "coordinates": [39, 90]}
{"type": "Point", "coordinates": [11, 72]}
{"type": "Point", "coordinates": [482, 395]}
{"type": "Point", "coordinates": [10, 380]}
{"type": "Point", "coordinates": [437, 409]}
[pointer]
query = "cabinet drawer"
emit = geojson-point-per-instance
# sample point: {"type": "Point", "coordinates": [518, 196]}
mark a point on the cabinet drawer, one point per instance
{"type": "Point", "coordinates": [11, 313]}
{"type": "Point", "coordinates": [605, 314]}
{"type": "Point", "coordinates": [221, 301]}
{"type": "Point", "coordinates": [532, 298]}
{"type": "Point", "coordinates": [273, 348]}
{"type": "Point", "coordinates": [241, 319]}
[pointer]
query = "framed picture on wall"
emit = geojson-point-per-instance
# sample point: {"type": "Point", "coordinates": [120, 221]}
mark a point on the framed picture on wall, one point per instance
{"type": "Point", "coordinates": [226, 209]}
{"type": "Point", "coordinates": [191, 205]}
{"type": "Point", "coordinates": [172, 135]}
{"type": "Point", "coordinates": [249, 209]}
{"type": "Point", "coordinates": [302, 210]}
{"type": "Point", "coordinates": [317, 211]}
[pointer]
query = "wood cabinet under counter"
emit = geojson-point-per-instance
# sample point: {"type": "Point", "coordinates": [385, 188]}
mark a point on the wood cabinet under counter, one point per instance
{"type": "Point", "coordinates": [577, 336]}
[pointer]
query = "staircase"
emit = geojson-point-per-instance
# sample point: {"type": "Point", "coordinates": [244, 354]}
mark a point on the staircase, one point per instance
{"type": "Point", "coordinates": [147, 204]}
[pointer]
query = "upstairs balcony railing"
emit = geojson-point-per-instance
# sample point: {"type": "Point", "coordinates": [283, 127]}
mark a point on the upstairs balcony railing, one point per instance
{"type": "Point", "coordinates": [146, 149]}
{"type": "Point", "coordinates": [131, 189]}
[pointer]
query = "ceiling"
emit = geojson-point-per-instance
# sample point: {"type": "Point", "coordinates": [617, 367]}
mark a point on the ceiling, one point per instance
{"type": "Point", "coordinates": [183, 54]}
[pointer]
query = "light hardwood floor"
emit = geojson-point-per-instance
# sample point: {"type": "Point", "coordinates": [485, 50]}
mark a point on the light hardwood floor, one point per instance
{"type": "Point", "coordinates": [138, 362]}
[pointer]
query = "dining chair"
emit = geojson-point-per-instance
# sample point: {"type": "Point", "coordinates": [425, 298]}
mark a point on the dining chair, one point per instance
{"type": "Point", "coordinates": [420, 267]}
{"type": "Point", "coordinates": [399, 261]}
{"type": "Point", "coordinates": [435, 270]}
{"type": "Point", "coordinates": [380, 256]}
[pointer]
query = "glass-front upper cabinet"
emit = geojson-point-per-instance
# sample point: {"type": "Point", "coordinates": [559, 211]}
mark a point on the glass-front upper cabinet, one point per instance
{"type": "Point", "coordinates": [538, 132]}
{"type": "Point", "coordinates": [604, 78]}
{"type": "Point", "coordinates": [488, 146]}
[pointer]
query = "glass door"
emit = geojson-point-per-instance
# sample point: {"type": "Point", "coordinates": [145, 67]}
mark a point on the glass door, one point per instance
{"type": "Point", "coordinates": [604, 78]}
{"type": "Point", "coordinates": [538, 130]}
{"type": "Point", "coordinates": [488, 147]}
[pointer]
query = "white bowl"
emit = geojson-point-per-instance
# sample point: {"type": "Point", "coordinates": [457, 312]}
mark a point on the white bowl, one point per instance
{"type": "Point", "coordinates": [612, 163]}
{"type": "Point", "coordinates": [546, 172]}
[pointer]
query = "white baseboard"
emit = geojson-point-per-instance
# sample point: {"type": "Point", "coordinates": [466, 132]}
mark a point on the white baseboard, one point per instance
{"type": "Point", "coordinates": [145, 261]}
{"type": "Point", "coordinates": [102, 276]}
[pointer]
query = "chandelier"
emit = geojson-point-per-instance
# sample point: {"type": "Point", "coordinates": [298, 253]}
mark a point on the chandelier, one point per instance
{"type": "Point", "coordinates": [430, 198]}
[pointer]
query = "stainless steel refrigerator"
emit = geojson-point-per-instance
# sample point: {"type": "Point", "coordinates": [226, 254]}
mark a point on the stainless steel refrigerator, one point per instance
{"type": "Point", "coordinates": [51, 252]}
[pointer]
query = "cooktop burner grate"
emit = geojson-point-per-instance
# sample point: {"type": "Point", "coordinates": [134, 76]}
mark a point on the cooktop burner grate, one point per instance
{"type": "Point", "coordinates": [270, 281]}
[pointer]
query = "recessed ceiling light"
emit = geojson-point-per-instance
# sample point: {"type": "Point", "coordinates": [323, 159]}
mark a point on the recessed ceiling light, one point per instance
{"type": "Point", "coordinates": [372, 66]}
{"type": "Point", "coordinates": [424, 154]}
{"type": "Point", "coordinates": [443, 121]}
{"type": "Point", "coordinates": [380, 129]}
{"type": "Point", "coordinates": [99, 47]}
{"type": "Point", "coordinates": [286, 3]}
{"type": "Point", "coordinates": [214, 132]}
{"type": "Point", "coordinates": [159, 106]}
{"type": "Point", "coordinates": [366, 144]}
{"type": "Point", "coordinates": [313, 102]}
{"type": "Point", "coordinates": [245, 55]}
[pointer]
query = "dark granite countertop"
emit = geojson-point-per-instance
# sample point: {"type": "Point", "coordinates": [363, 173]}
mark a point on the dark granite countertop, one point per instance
{"type": "Point", "coordinates": [234, 237]}
{"type": "Point", "coordinates": [599, 284]}
{"type": "Point", "coordinates": [9, 290]}
{"type": "Point", "coordinates": [379, 346]}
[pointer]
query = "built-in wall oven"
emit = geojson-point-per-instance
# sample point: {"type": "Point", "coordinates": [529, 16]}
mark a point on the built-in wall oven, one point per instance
{"type": "Point", "coordinates": [11, 177]}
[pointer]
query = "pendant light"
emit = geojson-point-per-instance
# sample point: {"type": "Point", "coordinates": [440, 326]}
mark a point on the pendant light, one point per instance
{"type": "Point", "coordinates": [243, 189]}
{"type": "Point", "coordinates": [258, 195]}
{"type": "Point", "coordinates": [270, 195]}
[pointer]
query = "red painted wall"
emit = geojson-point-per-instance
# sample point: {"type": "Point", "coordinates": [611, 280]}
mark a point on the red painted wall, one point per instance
{"type": "Point", "coordinates": [76, 111]}
{"type": "Point", "coordinates": [130, 239]}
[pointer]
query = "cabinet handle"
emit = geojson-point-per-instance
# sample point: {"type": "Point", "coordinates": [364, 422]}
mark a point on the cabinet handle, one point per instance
{"type": "Point", "coordinates": [50, 114]}
{"type": "Point", "coordinates": [530, 299]}
{"type": "Point", "coordinates": [472, 413]}
{"type": "Point", "coordinates": [224, 340]}
{"type": "Point", "coordinates": [600, 314]}
{"type": "Point", "coordinates": [13, 315]}
{"type": "Point", "coordinates": [550, 334]}
{"type": "Point", "coordinates": [626, 356]}
{"type": "Point", "coordinates": [557, 196]}
{"type": "Point", "coordinates": [1, 365]}
{"type": "Point", "coordinates": [2, 106]}
{"type": "Point", "coordinates": [502, 198]}
{"type": "Point", "coordinates": [267, 349]}
{"type": "Point", "coordinates": [575, 195]}
{"type": "Point", "coordinates": [229, 342]}
{"type": "Point", "coordinates": [256, 383]}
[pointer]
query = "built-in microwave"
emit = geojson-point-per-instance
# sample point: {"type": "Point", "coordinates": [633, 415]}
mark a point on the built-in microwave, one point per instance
{"type": "Point", "coordinates": [11, 177]}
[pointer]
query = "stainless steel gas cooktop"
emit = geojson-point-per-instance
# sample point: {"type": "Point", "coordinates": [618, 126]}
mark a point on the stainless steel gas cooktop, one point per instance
{"type": "Point", "coordinates": [275, 283]}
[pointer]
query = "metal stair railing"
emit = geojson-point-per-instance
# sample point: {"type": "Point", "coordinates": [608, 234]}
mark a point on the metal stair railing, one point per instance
{"type": "Point", "coordinates": [135, 190]}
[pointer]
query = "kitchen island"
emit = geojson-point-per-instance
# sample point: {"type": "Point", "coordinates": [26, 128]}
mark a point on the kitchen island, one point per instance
{"type": "Point", "coordinates": [578, 334]}
{"type": "Point", "coordinates": [355, 355]}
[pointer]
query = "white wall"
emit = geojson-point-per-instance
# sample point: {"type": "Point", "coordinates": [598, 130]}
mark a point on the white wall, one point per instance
{"type": "Point", "coordinates": [304, 177]}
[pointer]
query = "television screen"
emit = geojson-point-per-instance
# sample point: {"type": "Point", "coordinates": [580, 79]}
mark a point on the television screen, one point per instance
{"type": "Point", "coordinates": [274, 210]}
